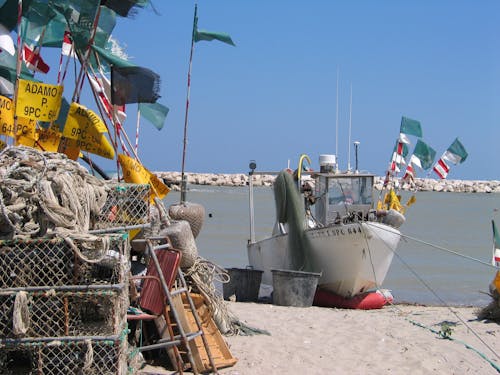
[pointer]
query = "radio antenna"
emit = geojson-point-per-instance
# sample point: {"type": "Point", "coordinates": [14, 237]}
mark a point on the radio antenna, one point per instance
{"type": "Point", "coordinates": [350, 123]}
{"type": "Point", "coordinates": [337, 124]}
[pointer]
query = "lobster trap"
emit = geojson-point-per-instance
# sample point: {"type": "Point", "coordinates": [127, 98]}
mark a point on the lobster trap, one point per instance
{"type": "Point", "coordinates": [62, 313]}
{"type": "Point", "coordinates": [91, 356]}
{"type": "Point", "coordinates": [127, 204]}
{"type": "Point", "coordinates": [57, 262]}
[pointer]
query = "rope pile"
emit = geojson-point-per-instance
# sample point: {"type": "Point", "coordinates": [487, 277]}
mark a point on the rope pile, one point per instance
{"type": "Point", "coordinates": [45, 193]}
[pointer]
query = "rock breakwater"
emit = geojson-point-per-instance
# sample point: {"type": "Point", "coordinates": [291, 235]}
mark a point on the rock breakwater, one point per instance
{"type": "Point", "coordinates": [173, 180]}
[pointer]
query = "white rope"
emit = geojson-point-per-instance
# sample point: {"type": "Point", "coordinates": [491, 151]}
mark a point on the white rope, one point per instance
{"type": "Point", "coordinates": [43, 191]}
{"type": "Point", "coordinates": [89, 356]}
{"type": "Point", "coordinates": [20, 314]}
{"type": "Point", "coordinates": [203, 273]}
{"type": "Point", "coordinates": [103, 255]}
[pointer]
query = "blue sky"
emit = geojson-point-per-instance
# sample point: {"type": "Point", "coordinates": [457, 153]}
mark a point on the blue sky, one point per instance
{"type": "Point", "coordinates": [273, 96]}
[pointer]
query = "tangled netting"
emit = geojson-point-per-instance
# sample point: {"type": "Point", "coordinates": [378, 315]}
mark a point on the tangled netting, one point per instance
{"type": "Point", "coordinates": [202, 274]}
{"type": "Point", "coordinates": [43, 193]}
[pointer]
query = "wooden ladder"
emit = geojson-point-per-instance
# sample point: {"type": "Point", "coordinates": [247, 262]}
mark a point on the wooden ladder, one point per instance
{"type": "Point", "coordinates": [172, 317]}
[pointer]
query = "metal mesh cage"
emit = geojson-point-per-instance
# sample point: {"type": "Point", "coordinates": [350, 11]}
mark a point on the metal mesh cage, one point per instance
{"type": "Point", "coordinates": [127, 204]}
{"type": "Point", "coordinates": [57, 314]}
{"type": "Point", "coordinates": [54, 262]}
{"type": "Point", "coordinates": [90, 357]}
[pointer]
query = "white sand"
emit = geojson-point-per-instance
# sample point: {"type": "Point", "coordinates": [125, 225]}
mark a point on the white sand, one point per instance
{"type": "Point", "coordinates": [317, 340]}
{"type": "Point", "coordinates": [326, 341]}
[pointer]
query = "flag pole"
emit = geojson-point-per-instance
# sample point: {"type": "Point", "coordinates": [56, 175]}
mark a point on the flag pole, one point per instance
{"type": "Point", "coordinates": [183, 176]}
{"type": "Point", "coordinates": [19, 56]}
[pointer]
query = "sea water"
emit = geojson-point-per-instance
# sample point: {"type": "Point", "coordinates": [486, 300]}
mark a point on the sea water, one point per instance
{"type": "Point", "coordinates": [443, 258]}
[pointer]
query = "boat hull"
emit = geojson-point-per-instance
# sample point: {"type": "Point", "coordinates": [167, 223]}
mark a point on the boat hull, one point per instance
{"type": "Point", "coordinates": [352, 258]}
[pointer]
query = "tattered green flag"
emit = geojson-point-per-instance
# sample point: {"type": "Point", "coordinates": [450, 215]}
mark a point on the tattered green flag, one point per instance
{"type": "Point", "coordinates": [110, 58]}
{"type": "Point", "coordinates": [80, 16]}
{"type": "Point", "coordinates": [36, 26]}
{"type": "Point", "coordinates": [154, 113]}
{"type": "Point", "coordinates": [456, 153]}
{"type": "Point", "coordinates": [409, 126]}
{"type": "Point", "coordinates": [199, 35]}
{"type": "Point", "coordinates": [209, 36]}
{"type": "Point", "coordinates": [8, 68]}
{"type": "Point", "coordinates": [425, 155]}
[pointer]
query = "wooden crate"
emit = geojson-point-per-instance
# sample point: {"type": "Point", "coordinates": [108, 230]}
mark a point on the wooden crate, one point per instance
{"type": "Point", "coordinates": [218, 348]}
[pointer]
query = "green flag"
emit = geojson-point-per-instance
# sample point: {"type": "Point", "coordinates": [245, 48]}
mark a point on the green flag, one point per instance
{"type": "Point", "coordinates": [209, 36]}
{"type": "Point", "coordinates": [8, 12]}
{"type": "Point", "coordinates": [8, 68]}
{"type": "Point", "coordinates": [110, 58]}
{"type": "Point", "coordinates": [456, 152]}
{"type": "Point", "coordinates": [35, 21]}
{"type": "Point", "coordinates": [154, 113]}
{"type": "Point", "coordinates": [199, 35]}
{"type": "Point", "coordinates": [425, 155]}
{"type": "Point", "coordinates": [409, 126]}
{"type": "Point", "coordinates": [80, 16]}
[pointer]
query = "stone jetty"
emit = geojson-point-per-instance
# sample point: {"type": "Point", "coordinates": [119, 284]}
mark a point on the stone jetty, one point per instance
{"type": "Point", "coordinates": [173, 180]}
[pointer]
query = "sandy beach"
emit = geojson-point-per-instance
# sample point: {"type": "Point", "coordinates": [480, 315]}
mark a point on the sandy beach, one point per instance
{"type": "Point", "coordinates": [398, 339]}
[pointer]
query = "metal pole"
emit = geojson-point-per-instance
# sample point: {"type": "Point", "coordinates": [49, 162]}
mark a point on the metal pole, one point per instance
{"type": "Point", "coordinates": [356, 144]}
{"type": "Point", "coordinates": [250, 196]}
{"type": "Point", "coordinates": [183, 177]}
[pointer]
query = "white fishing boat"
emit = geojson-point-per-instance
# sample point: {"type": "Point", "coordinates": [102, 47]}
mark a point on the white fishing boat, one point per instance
{"type": "Point", "coordinates": [327, 222]}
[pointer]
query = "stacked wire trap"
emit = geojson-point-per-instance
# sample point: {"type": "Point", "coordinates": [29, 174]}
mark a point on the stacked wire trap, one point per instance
{"type": "Point", "coordinates": [63, 305]}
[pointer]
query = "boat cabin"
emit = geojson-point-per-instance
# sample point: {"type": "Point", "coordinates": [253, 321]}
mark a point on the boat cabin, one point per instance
{"type": "Point", "coordinates": [342, 195]}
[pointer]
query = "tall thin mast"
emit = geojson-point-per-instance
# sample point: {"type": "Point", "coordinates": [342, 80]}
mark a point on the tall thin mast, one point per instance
{"type": "Point", "coordinates": [350, 123]}
{"type": "Point", "coordinates": [337, 124]}
{"type": "Point", "coordinates": [183, 177]}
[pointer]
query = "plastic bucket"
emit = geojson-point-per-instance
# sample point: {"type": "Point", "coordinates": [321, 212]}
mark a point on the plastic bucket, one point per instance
{"type": "Point", "coordinates": [294, 288]}
{"type": "Point", "coordinates": [244, 283]}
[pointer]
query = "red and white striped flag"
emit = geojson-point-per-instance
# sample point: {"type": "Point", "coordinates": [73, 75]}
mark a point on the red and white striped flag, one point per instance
{"type": "Point", "coordinates": [33, 60]}
{"type": "Point", "coordinates": [441, 168]}
{"type": "Point", "coordinates": [102, 87]}
{"type": "Point", "coordinates": [409, 173]}
{"type": "Point", "coordinates": [67, 46]}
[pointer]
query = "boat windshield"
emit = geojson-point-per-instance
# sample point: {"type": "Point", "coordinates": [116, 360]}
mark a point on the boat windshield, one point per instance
{"type": "Point", "coordinates": [350, 191]}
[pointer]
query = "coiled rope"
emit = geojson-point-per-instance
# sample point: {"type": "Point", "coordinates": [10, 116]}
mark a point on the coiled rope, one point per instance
{"type": "Point", "coordinates": [44, 191]}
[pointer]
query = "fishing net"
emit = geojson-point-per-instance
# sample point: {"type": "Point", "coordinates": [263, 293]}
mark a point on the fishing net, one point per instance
{"type": "Point", "coordinates": [201, 276]}
{"type": "Point", "coordinates": [290, 210]}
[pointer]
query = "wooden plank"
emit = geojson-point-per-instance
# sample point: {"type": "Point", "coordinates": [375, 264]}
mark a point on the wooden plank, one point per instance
{"type": "Point", "coordinates": [218, 348]}
{"type": "Point", "coordinates": [182, 314]}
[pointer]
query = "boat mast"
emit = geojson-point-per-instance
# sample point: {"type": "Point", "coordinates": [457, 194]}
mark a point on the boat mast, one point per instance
{"type": "Point", "coordinates": [183, 176]}
{"type": "Point", "coordinates": [350, 123]}
{"type": "Point", "coordinates": [337, 124]}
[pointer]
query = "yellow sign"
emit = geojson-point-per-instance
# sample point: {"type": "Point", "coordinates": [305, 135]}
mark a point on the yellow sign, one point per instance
{"type": "Point", "coordinates": [26, 141]}
{"type": "Point", "coordinates": [67, 146]}
{"type": "Point", "coordinates": [38, 101]}
{"type": "Point", "coordinates": [84, 130]}
{"type": "Point", "coordinates": [82, 123]}
{"type": "Point", "coordinates": [134, 172]}
{"type": "Point", "coordinates": [48, 140]}
{"type": "Point", "coordinates": [26, 128]}
{"type": "Point", "coordinates": [6, 116]}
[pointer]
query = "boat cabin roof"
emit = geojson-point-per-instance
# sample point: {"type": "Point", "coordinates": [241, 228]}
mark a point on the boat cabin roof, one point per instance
{"type": "Point", "coordinates": [340, 174]}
